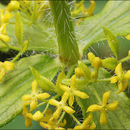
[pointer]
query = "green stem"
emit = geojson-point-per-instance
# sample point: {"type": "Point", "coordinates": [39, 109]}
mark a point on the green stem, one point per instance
{"type": "Point", "coordinates": [61, 118]}
{"type": "Point", "coordinates": [10, 46]}
{"type": "Point", "coordinates": [124, 59]}
{"type": "Point", "coordinates": [45, 109]}
{"type": "Point", "coordinates": [39, 105]}
{"type": "Point", "coordinates": [75, 119]}
{"type": "Point", "coordinates": [16, 57]}
{"type": "Point", "coordinates": [68, 47]}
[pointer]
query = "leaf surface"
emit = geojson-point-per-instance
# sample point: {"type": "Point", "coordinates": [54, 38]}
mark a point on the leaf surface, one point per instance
{"type": "Point", "coordinates": [118, 119]}
{"type": "Point", "coordinates": [115, 16]}
{"type": "Point", "coordinates": [18, 82]}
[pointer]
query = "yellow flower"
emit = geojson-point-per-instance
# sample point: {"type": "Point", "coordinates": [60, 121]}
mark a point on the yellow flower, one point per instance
{"type": "Point", "coordinates": [50, 126]}
{"type": "Point", "coordinates": [121, 78]}
{"type": "Point", "coordinates": [49, 123]}
{"type": "Point", "coordinates": [13, 5]}
{"type": "Point", "coordinates": [5, 16]}
{"type": "Point", "coordinates": [72, 91]}
{"type": "Point", "coordinates": [3, 35]}
{"type": "Point", "coordinates": [92, 7]}
{"type": "Point", "coordinates": [104, 107]}
{"type": "Point", "coordinates": [61, 106]}
{"type": "Point", "coordinates": [95, 61]}
{"type": "Point", "coordinates": [128, 37]}
{"type": "Point", "coordinates": [87, 124]}
{"type": "Point", "coordinates": [27, 116]}
{"type": "Point", "coordinates": [5, 67]}
{"type": "Point", "coordinates": [33, 98]}
{"type": "Point", "coordinates": [80, 9]}
{"type": "Point", "coordinates": [38, 116]}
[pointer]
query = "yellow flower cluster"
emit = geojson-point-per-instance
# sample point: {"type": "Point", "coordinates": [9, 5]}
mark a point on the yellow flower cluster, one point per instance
{"type": "Point", "coordinates": [46, 120]}
{"type": "Point", "coordinates": [87, 124]}
{"type": "Point", "coordinates": [83, 71]}
{"type": "Point", "coordinates": [5, 15]}
{"type": "Point", "coordinates": [121, 78]}
{"type": "Point", "coordinates": [32, 99]}
{"type": "Point", "coordinates": [81, 11]}
{"type": "Point", "coordinates": [68, 89]}
{"type": "Point", "coordinates": [104, 107]}
{"type": "Point", "coordinates": [5, 67]}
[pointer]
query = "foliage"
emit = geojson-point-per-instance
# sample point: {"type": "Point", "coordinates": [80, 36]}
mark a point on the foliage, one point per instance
{"type": "Point", "coordinates": [29, 27]}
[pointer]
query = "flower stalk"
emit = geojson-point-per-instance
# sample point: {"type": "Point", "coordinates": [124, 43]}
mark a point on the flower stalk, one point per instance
{"type": "Point", "coordinates": [68, 47]}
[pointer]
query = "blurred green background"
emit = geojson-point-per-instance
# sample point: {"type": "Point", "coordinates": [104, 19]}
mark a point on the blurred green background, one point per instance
{"type": "Point", "coordinates": [100, 49]}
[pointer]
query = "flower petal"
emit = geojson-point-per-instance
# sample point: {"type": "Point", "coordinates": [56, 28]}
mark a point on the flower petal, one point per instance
{"type": "Point", "coordinates": [127, 75]}
{"type": "Point", "coordinates": [28, 122]}
{"type": "Point", "coordinates": [68, 109]}
{"type": "Point", "coordinates": [34, 86]}
{"type": "Point", "coordinates": [114, 79]}
{"type": "Point", "coordinates": [92, 126]}
{"type": "Point", "coordinates": [112, 106]}
{"type": "Point", "coordinates": [37, 116]}
{"type": "Point", "coordinates": [64, 87]}
{"type": "Point", "coordinates": [71, 100]}
{"type": "Point", "coordinates": [44, 125]}
{"type": "Point", "coordinates": [54, 102]}
{"type": "Point", "coordinates": [57, 113]}
{"type": "Point", "coordinates": [80, 94]}
{"type": "Point", "coordinates": [33, 104]}
{"type": "Point", "coordinates": [43, 96]}
{"type": "Point", "coordinates": [118, 70]}
{"type": "Point", "coordinates": [26, 98]}
{"type": "Point", "coordinates": [65, 97]}
{"type": "Point", "coordinates": [94, 107]}
{"type": "Point", "coordinates": [103, 119]}
{"type": "Point", "coordinates": [106, 96]}
{"type": "Point", "coordinates": [87, 120]}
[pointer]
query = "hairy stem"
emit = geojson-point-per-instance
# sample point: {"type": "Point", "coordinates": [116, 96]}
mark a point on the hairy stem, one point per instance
{"type": "Point", "coordinates": [68, 47]}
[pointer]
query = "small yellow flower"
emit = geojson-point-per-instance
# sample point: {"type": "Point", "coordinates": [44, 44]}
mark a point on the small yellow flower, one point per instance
{"type": "Point", "coordinates": [104, 107]}
{"type": "Point", "coordinates": [33, 98]}
{"type": "Point", "coordinates": [49, 123]}
{"type": "Point", "coordinates": [121, 78]}
{"type": "Point", "coordinates": [61, 106]}
{"type": "Point", "coordinates": [8, 65]}
{"type": "Point", "coordinates": [79, 72]}
{"type": "Point", "coordinates": [5, 67]}
{"type": "Point", "coordinates": [95, 61]}
{"type": "Point", "coordinates": [87, 124]}
{"type": "Point", "coordinates": [72, 91]}
{"type": "Point", "coordinates": [5, 16]}
{"type": "Point", "coordinates": [27, 116]}
{"type": "Point", "coordinates": [128, 37]}
{"type": "Point", "coordinates": [13, 5]}
{"type": "Point", "coordinates": [50, 126]}
{"type": "Point", "coordinates": [37, 116]}
{"type": "Point", "coordinates": [3, 35]}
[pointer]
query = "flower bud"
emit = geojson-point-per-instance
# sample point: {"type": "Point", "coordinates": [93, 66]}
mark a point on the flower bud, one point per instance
{"type": "Point", "coordinates": [13, 5]}
{"type": "Point", "coordinates": [8, 65]}
{"type": "Point", "coordinates": [37, 116]}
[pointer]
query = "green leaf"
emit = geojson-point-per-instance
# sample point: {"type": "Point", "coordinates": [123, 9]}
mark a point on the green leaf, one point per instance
{"type": "Point", "coordinates": [115, 16]}
{"type": "Point", "coordinates": [18, 82]}
{"type": "Point", "coordinates": [112, 41]}
{"type": "Point", "coordinates": [40, 38]}
{"type": "Point", "coordinates": [118, 119]}
{"type": "Point", "coordinates": [109, 63]}
{"type": "Point", "coordinates": [19, 29]}
{"type": "Point", "coordinates": [43, 82]}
